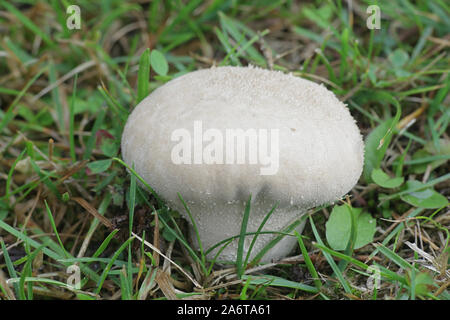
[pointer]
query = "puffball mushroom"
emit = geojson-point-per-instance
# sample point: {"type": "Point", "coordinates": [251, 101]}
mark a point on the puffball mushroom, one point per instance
{"type": "Point", "coordinates": [218, 135]}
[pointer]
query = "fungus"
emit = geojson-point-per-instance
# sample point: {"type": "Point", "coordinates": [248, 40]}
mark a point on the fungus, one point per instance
{"type": "Point", "coordinates": [218, 135]}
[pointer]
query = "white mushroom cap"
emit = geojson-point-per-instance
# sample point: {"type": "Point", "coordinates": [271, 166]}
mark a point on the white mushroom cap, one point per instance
{"type": "Point", "coordinates": [320, 150]}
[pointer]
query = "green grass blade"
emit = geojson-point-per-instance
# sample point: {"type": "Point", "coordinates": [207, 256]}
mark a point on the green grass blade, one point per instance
{"type": "Point", "coordinates": [286, 232]}
{"type": "Point", "coordinates": [110, 264]}
{"type": "Point", "coordinates": [402, 263]}
{"type": "Point", "coordinates": [129, 276]}
{"type": "Point", "coordinates": [72, 121]}
{"type": "Point", "coordinates": [99, 119]}
{"type": "Point", "coordinates": [330, 260]}
{"type": "Point", "coordinates": [52, 222]}
{"type": "Point", "coordinates": [52, 253]}
{"type": "Point", "coordinates": [11, 170]}
{"type": "Point", "coordinates": [143, 76]}
{"type": "Point", "coordinates": [9, 266]}
{"type": "Point", "coordinates": [105, 243]}
{"type": "Point", "coordinates": [28, 23]}
{"type": "Point", "coordinates": [240, 250]}
{"type": "Point", "coordinates": [9, 114]}
{"type": "Point", "coordinates": [261, 225]}
{"type": "Point", "coordinates": [269, 280]}
{"type": "Point", "coordinates": [140, 179]}
{"type": "Point", "coordinates": [308, 262]}
{"type": "Point", "coordinates": [194, 225]}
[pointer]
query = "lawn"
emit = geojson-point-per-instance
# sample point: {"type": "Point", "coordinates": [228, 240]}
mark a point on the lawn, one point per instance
{"type": "Point", "coordinates": [76, 222]}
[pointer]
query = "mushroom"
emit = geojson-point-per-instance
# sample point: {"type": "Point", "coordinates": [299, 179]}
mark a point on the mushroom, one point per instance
{"type": "Point", "coordinates": [218, 135]}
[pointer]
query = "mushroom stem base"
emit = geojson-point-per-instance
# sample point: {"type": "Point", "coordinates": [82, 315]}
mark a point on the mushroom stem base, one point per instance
{"type": "Point", "coordinates": [217, 223]}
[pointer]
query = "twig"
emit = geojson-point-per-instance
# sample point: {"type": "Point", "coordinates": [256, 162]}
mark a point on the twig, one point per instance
{"type": "Point", "coordinates": [148, 244]}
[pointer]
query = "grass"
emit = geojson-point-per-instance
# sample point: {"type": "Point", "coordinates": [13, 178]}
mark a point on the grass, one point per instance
{"type": "Point", "coordinates": [67, 200]}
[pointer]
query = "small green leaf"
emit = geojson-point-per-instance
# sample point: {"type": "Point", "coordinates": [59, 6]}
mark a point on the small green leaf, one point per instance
{"type": "Point", "coordinates": [427, 198]}
{"type": "Point", "coordinates": [383, 180]}
{"type": "Point", "coordinates": [372, 73]}
{"type": "Point", "coordinates": [99, 166]}
{"type": "Point", "coordinates": [423, 283]}
{"type": "Point", "coordinates": [398, 58]}
{"type": "Point", "coordinates": [372, 155]}
{"type": "Point", "coordinates": [430, 156]}
{"type": "Point", "coordinates": [168, 236]}
{"type": "Point", "coordinates": [402, 73]}
{"type": "Point", "coordinates": [65, 197]}
{"type": "Point", "coordinates": [339, 224]}
{"type": "Point", "coordinates": [338, 227]}
{"type": "Point", "coordinates": [378, 140]}
{"type": "Point", "coordinates": [109, 147]}
{"type": "Point", "coordinates": [159, 63]}
{"type": "Point", "coordinates": [366, 227]}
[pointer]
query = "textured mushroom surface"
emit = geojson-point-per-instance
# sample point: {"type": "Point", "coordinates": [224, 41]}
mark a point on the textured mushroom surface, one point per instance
{"type": "Point", "coordinates": [319, 151]}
